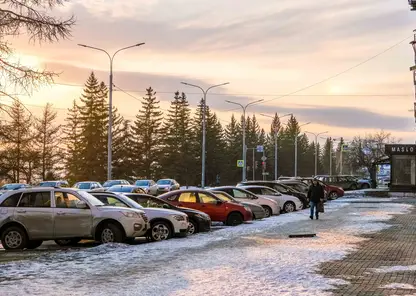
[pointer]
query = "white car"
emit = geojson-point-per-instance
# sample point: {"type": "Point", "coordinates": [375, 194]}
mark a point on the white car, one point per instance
{"type": "Point", "coordinates": [287, 203]}
{"type": "Point", "coordinates": [164, 223]}
{"type": "Point", "coordinates": [270, 206]}
{"type": "Point", "coordinates": [149, 186]}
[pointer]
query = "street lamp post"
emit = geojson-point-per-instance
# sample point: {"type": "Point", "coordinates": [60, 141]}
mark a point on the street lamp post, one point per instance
{"type": "Point", "coordinates": [244, 107]}
{"type": "Point", "coordinates": [204, 125]}
{"type": "Point", "coordinates": [110, 102]}
{"type": "Point", "coordinates": [316, 148]}
{"type": "Point", "coordinates": [296, 149]}
{"type": "Point", "coordinates": [276, 133]}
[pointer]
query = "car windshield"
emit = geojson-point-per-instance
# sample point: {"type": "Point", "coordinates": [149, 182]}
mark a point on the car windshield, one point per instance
{"type": "Point", "coordinates": [48, 184]}
{"type": "Point", "coordinates": [83, 185]}
{"type": "Point", "coordinates": [163, 182]}
{"type": "Point", "coordinates": [91, 199]}
{"type": "Point", "coordinates": [142, 183]}
{"type": "Point", "coordinates": [110, 183]}
{"type": "Point", "coordinates": [268, 191]}
{"type": "Point", "coordinates": [223, 196]}
{"type": "Point", "coordinates": [11, 186]}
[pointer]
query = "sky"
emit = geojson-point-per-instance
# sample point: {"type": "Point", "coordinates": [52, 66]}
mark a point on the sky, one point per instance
{"type": "Point", "coordinates": [341, 65]}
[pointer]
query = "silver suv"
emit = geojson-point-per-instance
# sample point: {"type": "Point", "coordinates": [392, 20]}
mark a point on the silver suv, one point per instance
{"type": "Point", "coordinates": [30, 216]}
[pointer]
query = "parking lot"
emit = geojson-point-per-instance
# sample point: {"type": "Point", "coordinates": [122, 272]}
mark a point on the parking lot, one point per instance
{"type": "Point", "coordinates": [253, 259]}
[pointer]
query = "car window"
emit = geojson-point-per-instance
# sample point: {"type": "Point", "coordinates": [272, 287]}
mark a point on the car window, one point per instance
{"type": "Point", "coordinates": [35, 200]}
{"type": "Point", "coordinates": [112, 201]}
{"type": "Point", "coordinates": [66, 200]}
{"type": "Point", "coordinates": [187, 197]}
{"type": "Point", "coordinates": [280, 188]}
{"type": "Point", "coordinates": [267, 191]}
{"type": "Point", "coordinates": [240, 194]}
{"type": "Point", "coordinates": [256, 190]}
{"type": "Point", "coordinates": [11, 201]}
{"type": "Point", "coordinates": [205, 198]}
{"type": "Point", "coordinates": [342, 179]}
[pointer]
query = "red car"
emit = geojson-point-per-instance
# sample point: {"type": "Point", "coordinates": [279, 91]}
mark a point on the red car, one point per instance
{"type": "Point", "coordinates": [331, 191]}
{"type": "Point", "coordinates": [222, 211]}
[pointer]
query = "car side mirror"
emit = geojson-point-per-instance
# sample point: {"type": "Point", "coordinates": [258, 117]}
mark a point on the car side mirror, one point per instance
{"type": "Point", "coordinates": [81, 205]}
{"type": "Point", "coordinates": [219, 202]}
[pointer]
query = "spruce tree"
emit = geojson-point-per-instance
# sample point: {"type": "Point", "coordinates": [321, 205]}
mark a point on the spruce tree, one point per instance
{"type": "Point", "coordinates": [72, 139]}
{"type": "Point", "coordinates": [147, 133]}
{"type": "Point", "coordinates": [233, 150]}
{"type": "Point", "coordinates": [328, 153]}
{"type": "Point", "coordinates": [122, 161]}
{"type": "Point", "coordinates": [94, 120]}
{"type": "Point", "coordinates": [47, 141]}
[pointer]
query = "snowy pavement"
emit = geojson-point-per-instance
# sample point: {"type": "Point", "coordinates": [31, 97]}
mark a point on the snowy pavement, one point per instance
{"type": "Point", "coordinates": [250, 259]}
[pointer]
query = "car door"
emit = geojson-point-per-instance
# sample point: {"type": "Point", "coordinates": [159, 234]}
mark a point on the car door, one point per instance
{"type": "Point", "coordinates": [279, 198]}
{"type": "Point", "coordinates": [70, 221]}
{"type": "Point", "coordinates": [35, 212]}
{"type": "Point", "coordinates": [210, 205]}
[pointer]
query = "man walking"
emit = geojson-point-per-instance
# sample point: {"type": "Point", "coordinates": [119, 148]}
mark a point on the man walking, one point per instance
{"type": "Point", "coordinates": [316, 195]}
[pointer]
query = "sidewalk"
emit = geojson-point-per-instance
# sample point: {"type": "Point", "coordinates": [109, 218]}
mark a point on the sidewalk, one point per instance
{"type": "Point", "coordinates": [366, 269]}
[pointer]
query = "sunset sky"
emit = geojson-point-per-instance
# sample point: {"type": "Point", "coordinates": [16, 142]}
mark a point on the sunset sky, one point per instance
{"type": "Point", "coordinates": [265, 49]}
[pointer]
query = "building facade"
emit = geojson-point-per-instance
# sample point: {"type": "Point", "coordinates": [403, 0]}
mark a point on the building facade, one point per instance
{"type": "Point", "coordinates": [403, 166]}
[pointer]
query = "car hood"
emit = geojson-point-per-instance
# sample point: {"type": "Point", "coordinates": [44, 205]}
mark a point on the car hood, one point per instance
{"type": "Point", "coordinates": [158, 212]}
{"type": "Point", "coordinates": [189, 210]}
{"type": "Point", "coordinates": [142, 186]}
{"type": "Point", "coordinates": [118, 209]}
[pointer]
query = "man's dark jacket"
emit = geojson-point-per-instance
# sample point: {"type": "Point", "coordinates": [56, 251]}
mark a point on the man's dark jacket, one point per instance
{"type": "Point", "coordinates": [316, 193]}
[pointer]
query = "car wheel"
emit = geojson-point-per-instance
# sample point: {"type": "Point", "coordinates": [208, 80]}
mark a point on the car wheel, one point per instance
{"type": "Point", "coordinates": [301, 207]}
{"type": "Point", "coordinates": [289, 207]}
{"type": "Point", "coordinates": [333, 195]}
{"type": "Point", "coordinates": [33, 244]}
{"type": "Point", "coordinates": [14, 238]}
{"type": "Point", "coordinates": [353, 187]}
{"type": "Point", "coordinates": [160, 231]}
{"type": "Point", "coordinates": [67, 242]}
{"type": "Point", "coordinates": [111, 233]}
{"type": "Point", "coordinates": [193, 227]}
{"type": "Point", "coordinates": [365, 186]}
{"type": "Point", "coordinates": [267, 211]}
{"type": "Point", "coordinates": [234, 219]}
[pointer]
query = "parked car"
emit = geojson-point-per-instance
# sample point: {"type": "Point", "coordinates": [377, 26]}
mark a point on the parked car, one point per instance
{"type": "Point", "coordinates": [332, 192]}
{"type": "Point", "coordinates": [30, 216]}
{"type": "Point", "coordinates": [13, 186]}
{"type": "Point", "coordinates": [60, 183]}
{"type": "Point", "coordinates": [149, 186]}
{"type": "Point", "coordinates": [167, 185]}
{"type": "Point", "coordinates": [270, 206]}
{"type": "Point", "coordinates": [258, 211]}
{"type": "Point", "coordinates": [227, 212]}
{"type": "Point", "coordinates": [198, 221]}
{"type": "Point", "coordinates": [339, 181]}
{"type": "Point", "coordinates": [283, 189]}
{"type": "Point", "coordinates": [164, 223]}
{"type": "Point", "coordinates": [87, 185]}
{"type": "Point", "coordinates": [296, 184]}
{"type": "Point", "coordinates": [287, 203]}
{"type": "Point", "coordinates": [125, 189]}
{"type": "Point", "coordinates": [110, 183]}
{"type": "Point", "coordinates": [363, 183]}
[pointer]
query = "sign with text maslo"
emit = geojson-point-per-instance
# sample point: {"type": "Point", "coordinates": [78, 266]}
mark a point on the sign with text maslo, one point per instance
{"type": "Point", "coordinates": [403, 149]}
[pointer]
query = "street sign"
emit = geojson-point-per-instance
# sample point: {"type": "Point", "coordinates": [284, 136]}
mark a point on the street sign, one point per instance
{"type": "Point", "coordinates": [260, 148]}
{"type": "Point", "coordinates": [263, 158]}
{"type": "Point", "coordinates": [345, 148]}
{"type": "Point", "coordinates": [240, 163]}
{"type": "Point", "coordinates": [265, 174]}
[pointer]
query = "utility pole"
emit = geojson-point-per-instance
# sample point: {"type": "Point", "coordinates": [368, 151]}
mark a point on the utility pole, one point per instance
{"type": "Point", "coordinates": [244, 107]}
{"type": "Point", "coordinates": [110, 103]}
{"type": "Point", "coordinates": [204, 105]}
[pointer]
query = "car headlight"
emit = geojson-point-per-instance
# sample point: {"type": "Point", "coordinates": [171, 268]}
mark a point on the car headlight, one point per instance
{"type": "Point", "coordinates": [179, 218]}
{"type": "Point", "coordinates": [131, 214]}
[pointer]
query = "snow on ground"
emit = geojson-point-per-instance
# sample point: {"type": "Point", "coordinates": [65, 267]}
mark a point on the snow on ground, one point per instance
{"type": "Point", "coordinates": [387, 269]}
{"type": "Point", "coordinates": [250, 259]}
{"type": "Point", "coordinates": [398, 286]}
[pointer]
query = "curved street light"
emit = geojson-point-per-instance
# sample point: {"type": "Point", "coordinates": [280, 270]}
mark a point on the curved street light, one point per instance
{"type": "Point", "coordinates": [316, 148]}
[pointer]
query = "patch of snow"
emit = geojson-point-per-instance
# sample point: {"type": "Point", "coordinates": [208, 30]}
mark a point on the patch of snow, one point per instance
{"type": "Point", "coordinates": [387, 269]}
{"type": "Point", "coordinates": [250, 259]}
{"type": "Point", "coordinates": [398, 286]}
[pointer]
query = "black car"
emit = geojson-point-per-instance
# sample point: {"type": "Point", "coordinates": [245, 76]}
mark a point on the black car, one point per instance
{"type": "Point", "coordinates": [282, 188]}
{"type": "Point", "coordinates": [198, 221]}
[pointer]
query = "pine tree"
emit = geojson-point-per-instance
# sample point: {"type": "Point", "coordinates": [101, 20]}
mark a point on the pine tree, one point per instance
{"type": "Point", "coordinates": [47, 141]}
{"type": "Point", "coordinates": [233, 150]}
{"type": "Point", "coordinates": [94, 120]}
{"type": "Point", "coordinates": [147, 133]}
{"type": "Point", "coordinates": [72, 139]}
{"type": "Point", "coordinates": [327, 154]}
{"type": "Point", "coordinates": [122, 152]}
